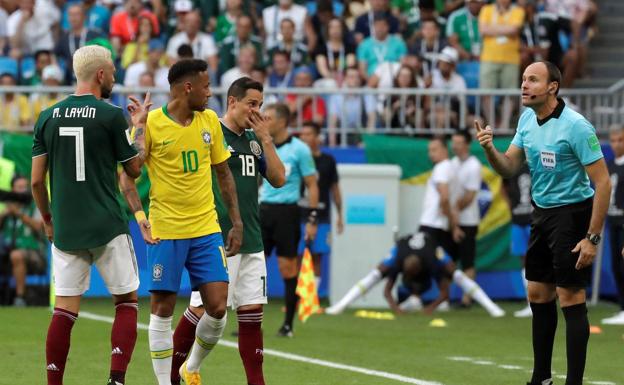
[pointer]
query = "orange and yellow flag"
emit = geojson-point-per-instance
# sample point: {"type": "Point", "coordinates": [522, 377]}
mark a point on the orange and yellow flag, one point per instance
{"type": "Point", "coordinates": [306, 288]}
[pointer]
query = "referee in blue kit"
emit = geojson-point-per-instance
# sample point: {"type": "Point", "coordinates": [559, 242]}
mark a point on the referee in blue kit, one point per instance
{"type": "Point", "coordinates": [562, 150]}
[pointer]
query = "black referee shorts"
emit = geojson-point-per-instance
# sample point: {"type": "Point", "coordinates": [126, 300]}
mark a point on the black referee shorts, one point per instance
{"type": "Point", "coordinates": [467, 247]}
{"type": "Point", "coordinates": [443, 239]}
{"type": "Point", "coordinates": [281, 228]}
{"type": "Point", "coordinates": [554, 233]}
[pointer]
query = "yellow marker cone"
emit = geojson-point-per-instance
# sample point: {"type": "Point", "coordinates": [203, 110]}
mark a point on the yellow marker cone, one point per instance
{"type": "Point", "coordinates": [437, 323]}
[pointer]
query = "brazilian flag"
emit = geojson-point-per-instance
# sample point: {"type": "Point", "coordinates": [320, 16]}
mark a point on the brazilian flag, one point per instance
{"type": "Point", "coordinates": [494, 236]}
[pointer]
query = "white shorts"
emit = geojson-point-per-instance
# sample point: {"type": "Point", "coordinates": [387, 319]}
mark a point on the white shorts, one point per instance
{"type": "Point", "coordinates": [248, 284]}
{"type": "Point", "coordinates": [115, 261]}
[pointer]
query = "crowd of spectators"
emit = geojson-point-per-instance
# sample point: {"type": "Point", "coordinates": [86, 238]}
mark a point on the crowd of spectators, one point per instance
{"type": "Point", "coordinates": [324, 44]}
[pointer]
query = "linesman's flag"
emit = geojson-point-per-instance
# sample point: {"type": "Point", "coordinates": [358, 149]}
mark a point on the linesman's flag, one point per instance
{"type": "Point", "coordinates": [306, 288]}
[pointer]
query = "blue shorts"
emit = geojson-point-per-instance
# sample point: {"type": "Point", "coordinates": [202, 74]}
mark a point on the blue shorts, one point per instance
{"type": "Point", "coordinates": [519, 239]}
{"type": "Point", "coordinates": [441, 262]}
{"type": "Point", "coordinates": [203, 257]}
{"type": "Point", "coordinates": [320, 245]}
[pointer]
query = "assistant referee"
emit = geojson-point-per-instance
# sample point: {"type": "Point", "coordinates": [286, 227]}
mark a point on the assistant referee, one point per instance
{"type": "Point", "coordinates": [562, 150]}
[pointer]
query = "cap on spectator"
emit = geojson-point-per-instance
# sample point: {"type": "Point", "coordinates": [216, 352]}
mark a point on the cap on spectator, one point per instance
{"type": "Point", "coordinates": [116, 2]}
{"type": "Point", "coordinates": [303, 70]}
{"type": "Point", "coordinates": [156, 44]}
{"type": "Point", "coordinates": [449, 55]}
{"type": "Point", "coordinates": [183, 6]}
{"type": "Point", "coordinates": [52, 72]}
{"type": "Point", "coordinates": [378, 16]}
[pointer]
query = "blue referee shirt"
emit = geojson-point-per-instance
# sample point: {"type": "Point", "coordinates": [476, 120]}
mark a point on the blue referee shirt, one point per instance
{"type": "Point", "coordinates": [557, 149]}
{"type": "Point", "coordinates": [298, 162]}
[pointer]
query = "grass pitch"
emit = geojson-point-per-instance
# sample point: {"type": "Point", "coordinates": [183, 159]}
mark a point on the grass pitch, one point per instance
{"type": "Point", "coordinates": [472, 349]}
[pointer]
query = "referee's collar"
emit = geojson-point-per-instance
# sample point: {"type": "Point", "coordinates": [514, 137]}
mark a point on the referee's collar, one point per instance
{"type": "Point", "coordinates": [284, 142]}
{"type": "Point", "coordinates": [555, 114]}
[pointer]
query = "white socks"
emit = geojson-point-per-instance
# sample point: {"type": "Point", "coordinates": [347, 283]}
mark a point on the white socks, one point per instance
{"type": "Point", "coordinates": [471, 288]}
{"type": "Point", "coordinates": [359, 289]}
{"type": "Point", "coordinates": [161, 347]}
{"type": "Point", "coordinates": [209, 331]}
{"type": "Point", "coordinates": [411, 304]}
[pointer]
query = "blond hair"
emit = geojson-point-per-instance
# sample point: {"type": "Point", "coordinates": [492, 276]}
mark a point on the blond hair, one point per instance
{"type": "Point", "coordinates": [88, 60]}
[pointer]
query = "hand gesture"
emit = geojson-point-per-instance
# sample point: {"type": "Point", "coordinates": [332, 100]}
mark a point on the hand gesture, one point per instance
{"type": "Point", "coordinates": [458, 234]}
{"type": "Point", "coordinates": [340, 225]}
{"type": "Point", "coordinates": [484, 135]}
{"type": "Point", "coordinates": [310, 231]}
{"type": "Point", "coordinates": [234, 241]}
{"type": "Point", "coordinates": [146, 232]}
{"type": "Point", "coordinates": [260, 124]}
{"type": "Point", "coordinates": [138, 111]}
{"type": "Point", "coordinates": [587, 253]}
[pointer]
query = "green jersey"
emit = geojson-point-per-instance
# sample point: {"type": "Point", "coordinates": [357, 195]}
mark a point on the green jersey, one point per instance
{"type": "Point", "coordinates": [84, 139]}
{"type": "Point", "coordinates": [18, 235]}
{"type": "Point", "coordinates": [248, 166]}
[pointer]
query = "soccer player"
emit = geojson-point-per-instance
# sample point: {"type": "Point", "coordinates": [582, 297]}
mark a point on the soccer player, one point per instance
{"type": "Point", "coordinates": [254, 156]}
{"type": "Point", "coordinates": [279, 212]}
{"type": "Point", "coordinates": [438, 219]}
{"type": "Point", "coordinates": [328, 187]}
{"type": "Point", "coordinates": [80, 140]}
{"type": "Point", "coordinates": [418, 260]}
{"type": "Point", "coordinates": [616, 219]}
{"type": "Point", "coordinates": [468, 170]}
{"type": "Point", "coordinates": [183, 142]}
{"type": "Point", "coordinates": [518, 192]}
{"type": "Point", "coordinates": [563, 154]}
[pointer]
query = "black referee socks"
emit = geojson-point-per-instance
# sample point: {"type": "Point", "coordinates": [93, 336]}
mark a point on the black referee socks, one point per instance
{"type": "Point", "coordinates": [577, 335]}
{"type": "Point", "coordinates": [290, 296]}
{"type": "Point", "coordinates": [544, 328]}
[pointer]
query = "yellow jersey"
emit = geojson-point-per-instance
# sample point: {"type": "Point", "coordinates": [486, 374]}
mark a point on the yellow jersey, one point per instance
{"type": "Point", "coordinates": [179, 160]}
{"type": "Point", "coordinates": [501, 49]}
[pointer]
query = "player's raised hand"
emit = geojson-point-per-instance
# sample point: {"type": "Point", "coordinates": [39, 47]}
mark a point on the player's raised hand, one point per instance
{"type": "Point", "coordinates": [260, 124]}
{"type": "Point", "coordinates": [234, 241]}
{"type": "Point", "coordinates": [146, 232]}
{"type": "Point", "coordinates": [138, 111]}
{"type": "Point", "coordinates": [484, 135]}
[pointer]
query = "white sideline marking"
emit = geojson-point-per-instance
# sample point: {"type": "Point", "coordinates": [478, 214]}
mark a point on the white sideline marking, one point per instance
{"type": "Point", "coordinates": [477, 361]}
{"type": "Point", "coordinates": [296, 357]}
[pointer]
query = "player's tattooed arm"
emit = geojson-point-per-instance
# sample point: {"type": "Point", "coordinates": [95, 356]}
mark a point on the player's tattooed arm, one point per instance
{"type": "Point", "coordinates": [40, 192]}
{"type": "Point", "coordinates": [228, 192]}
{"type": "Point", "coordinates": [131, 194]}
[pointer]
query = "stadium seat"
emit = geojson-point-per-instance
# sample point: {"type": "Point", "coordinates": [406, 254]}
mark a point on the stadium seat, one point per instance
{"type": "Point", "coordinates": [8, 66]}
{"type": "Point", "coordinates": [27, 67]}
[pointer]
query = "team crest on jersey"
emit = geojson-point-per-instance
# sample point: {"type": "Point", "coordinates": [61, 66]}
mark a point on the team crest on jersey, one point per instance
{"type": "Point", "coordinates": [206, 136]}
{"type": "Point", "coordinates": [157, 272]}
{"type": "Point", "coordinates": [255, 148]}
{"type": "Point", "coordinates": [417, 241]}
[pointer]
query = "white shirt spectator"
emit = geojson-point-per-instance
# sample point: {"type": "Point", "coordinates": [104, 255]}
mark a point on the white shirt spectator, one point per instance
{"type": "Point", "coordinates": [454, 83]}
{"type": "Point", "coordinates": [352, 110]}
{"type": "Point", "coordinates": [230, 76]}
{"type": "Point", "coordinates": [4, 17]}
{"type": "Point", "coordinates": [468, 179]}
{"type": "Point", "coordinates": [37, 30]}
{"type": "Point", "coordinates": [272, 17]}
{"type": "Point", "coordinates": [203, 45]}
{"type": "Point", "coordinates": [432, 216]}
{"type": "Point", "coordinates": [134, 72]}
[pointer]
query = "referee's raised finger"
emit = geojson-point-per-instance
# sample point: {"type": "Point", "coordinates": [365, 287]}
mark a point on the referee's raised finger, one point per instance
{"type": "Point", "coordinates": [477, 126]}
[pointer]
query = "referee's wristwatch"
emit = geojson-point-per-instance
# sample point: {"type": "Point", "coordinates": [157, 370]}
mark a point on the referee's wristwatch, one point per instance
{"type": "Point", "coordinates": [593, 238]}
